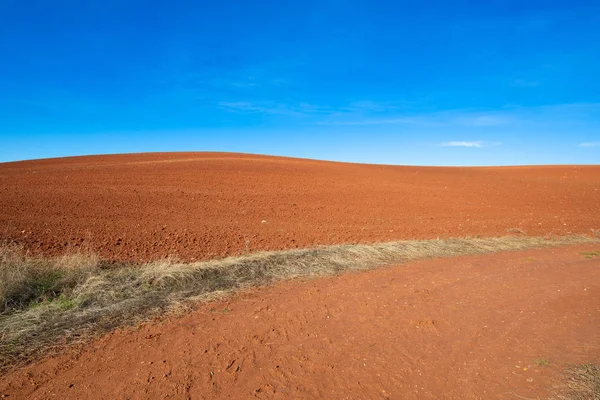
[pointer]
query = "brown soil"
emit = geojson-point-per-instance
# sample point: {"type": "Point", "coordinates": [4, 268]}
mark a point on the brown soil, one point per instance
{"type": "Point", "coordinates": [207, 205]}
{"type": "Point", "coordinates": [463, 328]}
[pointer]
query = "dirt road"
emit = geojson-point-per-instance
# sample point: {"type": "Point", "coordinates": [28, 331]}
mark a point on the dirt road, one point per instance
{"type": "Point", "coordinates": [463, 328]}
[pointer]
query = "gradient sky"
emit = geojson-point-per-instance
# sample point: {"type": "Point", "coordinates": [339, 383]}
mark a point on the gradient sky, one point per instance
{"type": "Point", "coordinates": [397, 82]}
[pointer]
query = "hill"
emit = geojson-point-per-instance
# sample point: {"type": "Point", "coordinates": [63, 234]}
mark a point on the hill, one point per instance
{"type": "Point", "coordinates": [205, 205]}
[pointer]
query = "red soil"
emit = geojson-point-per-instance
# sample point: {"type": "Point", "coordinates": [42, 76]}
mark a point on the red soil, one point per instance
{"type": "Point", "coordinates": [206, 205]}
{"type": "Point", "coordinates": [463, 328]}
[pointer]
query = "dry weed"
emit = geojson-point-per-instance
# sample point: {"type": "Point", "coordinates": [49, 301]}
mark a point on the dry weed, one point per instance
{"type": "Point", "coordinates": [582, 383]}
{"type": "Point", "coordinates": [47, 303]}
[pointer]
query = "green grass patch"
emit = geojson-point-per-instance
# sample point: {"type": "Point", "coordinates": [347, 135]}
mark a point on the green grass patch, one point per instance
{"type": "Point", "coordinates": [542, 362]}
{"type": "Point", "coordinates": [590, 254]}
{"type": "Point", "coordinates": [27, 282]}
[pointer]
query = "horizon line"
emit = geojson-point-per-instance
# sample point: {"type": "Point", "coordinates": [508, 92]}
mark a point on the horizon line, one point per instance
{"type": "Point", "coordinates": [74, 156]}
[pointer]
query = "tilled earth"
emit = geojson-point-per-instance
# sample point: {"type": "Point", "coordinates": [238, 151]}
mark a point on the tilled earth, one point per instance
{"type": "Point", "coordinates": [499, 326]}
{"type": "Point", "coordinates": [206, 205]}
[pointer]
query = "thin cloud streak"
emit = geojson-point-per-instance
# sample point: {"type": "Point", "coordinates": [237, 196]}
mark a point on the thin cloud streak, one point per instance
{"type": "Point", "coordinates": [462, 144]}
{"type": "Point", "coordinates": [483, 120]}
{"type": "Point", "coordinates": [431, 119]}
{"type": "Point", "coordinates": [589, 144]}
{"type": "Point", "coordinates": [272, 108]}
{"type": "Point", "coordinates": [525, 83]}
{"type": "Point", "coordinates": [388, 121]}
{"type": "Point", "coordinates": [474, 144]}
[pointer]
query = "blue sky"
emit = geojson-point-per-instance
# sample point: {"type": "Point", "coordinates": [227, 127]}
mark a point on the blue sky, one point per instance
{"type": "Point", "coordinates": [397, 82]}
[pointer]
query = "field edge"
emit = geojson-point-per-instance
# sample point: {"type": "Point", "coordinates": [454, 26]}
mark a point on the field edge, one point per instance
{"type": "Point", "coordinates": [72, 299]}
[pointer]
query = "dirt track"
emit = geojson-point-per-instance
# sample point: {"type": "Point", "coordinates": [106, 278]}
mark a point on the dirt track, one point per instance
{"type": "Point", "coordinates": [462, 328]}
{"type": "Point", "coordinates": [206, 205]}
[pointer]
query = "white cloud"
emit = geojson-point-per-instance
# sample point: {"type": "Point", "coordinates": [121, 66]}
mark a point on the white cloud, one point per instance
{"type": "Point", "coordinates": [475, 144]}
{"type": "Point", "coordinates": [589, 144]}
{"type": "Point", "coordinates": [461, 144]}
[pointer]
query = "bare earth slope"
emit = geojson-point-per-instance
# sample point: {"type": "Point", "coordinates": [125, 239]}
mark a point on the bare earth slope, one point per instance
{"type": "Point", "coordinates": [463, 328]}
{"type": "Point", "coordinates": [206, 205]}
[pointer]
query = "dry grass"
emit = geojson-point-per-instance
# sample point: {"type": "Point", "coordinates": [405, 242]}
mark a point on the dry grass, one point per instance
{"type": "Point", "coordinates": [27, 281]}
{"type": "Point", "coordinates": [47, 303]}
{"type": "Point", "coordinates": [582, 383]}
{"type": "Point", "coordinates": [590, 254]}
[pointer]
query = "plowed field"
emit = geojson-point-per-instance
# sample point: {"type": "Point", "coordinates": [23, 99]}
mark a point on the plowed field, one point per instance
{"type": "Point", "coordinates": [206, 205]}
